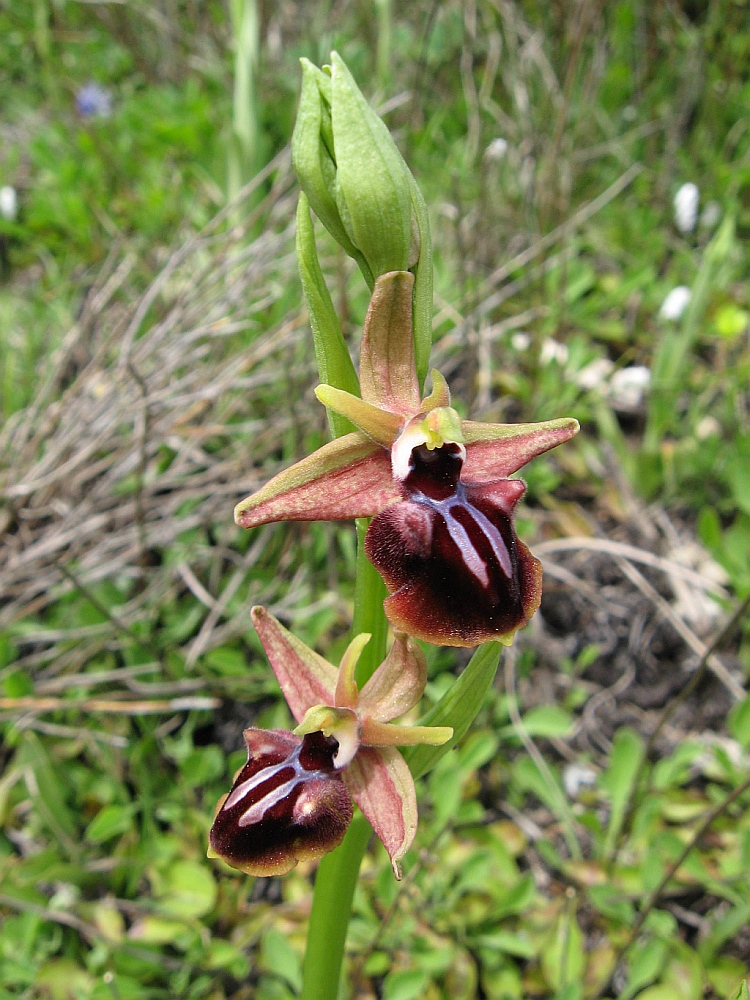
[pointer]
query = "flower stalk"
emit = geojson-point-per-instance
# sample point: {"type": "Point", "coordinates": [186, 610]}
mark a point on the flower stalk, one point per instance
{"type": "Point", "coordinates": [438, 559]}
{"type": "Point", "coordinates": [337, 874]}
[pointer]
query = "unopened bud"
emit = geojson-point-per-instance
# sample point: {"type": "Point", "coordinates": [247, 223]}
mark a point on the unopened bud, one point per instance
{"type": "Point", "coordinates": [355, 179]}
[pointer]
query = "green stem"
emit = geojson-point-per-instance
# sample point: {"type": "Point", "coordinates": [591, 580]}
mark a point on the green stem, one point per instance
{"type": "Point", "coordinates": [369, 594]}
{"type": "Point", "coordinates": [331, 909]}
{"type": "Point", "coordinates": [338, 871]}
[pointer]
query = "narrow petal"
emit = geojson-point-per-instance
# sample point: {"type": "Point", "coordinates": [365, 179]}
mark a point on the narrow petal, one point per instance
{"type": "Point", "coordinates": [349, 477]}
{"type": "Point", "coordinates": [440, 395]}
{"type": "Point", "coordinates": [387, 373]}
{"type": "Point", "coordinates": [383, 788]}
{"type": "Point", "coordinates": [497, 450]}
{"type": "Point", "coordinates": [287, 804]}
{"type": "Point", "coordinates": [347, 694]}
{"type": "Point", "coordinates": [306, 679]}
{"type": "Point", "coordinates": [386, 734]}
{"type": "Point", "coordinates": [380, 425]}
{"type": "Point", "coordinates": [397, 684]}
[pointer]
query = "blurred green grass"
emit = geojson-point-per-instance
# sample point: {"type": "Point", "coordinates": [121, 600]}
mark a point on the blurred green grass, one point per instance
{"type": "Point", "coordinates": [104, 886]}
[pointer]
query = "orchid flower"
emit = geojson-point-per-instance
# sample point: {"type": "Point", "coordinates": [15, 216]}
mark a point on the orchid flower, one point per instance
{"type": "Point", "coordinates": [436, 486]}
{"type": "Point", "coordinates": [292, 799]}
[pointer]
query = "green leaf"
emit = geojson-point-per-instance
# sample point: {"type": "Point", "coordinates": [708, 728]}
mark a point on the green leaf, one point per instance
{"type": "Point", "coordinates": [645, 966]}
{"type": "Point", "coordinates": [529, 778]}
{"type": "Point", "coordinates": [45, 788]}
{"type": "Point", "coordinates": [516, 900]}
{"type": "Point", "coordinates": [227, 661]}
{"type": "Point", "coordinates": [563, 960]}
{"type": "Point", "coordinates": [742, 992]}
{"type": "Point", "coordinates": [150, 929]}
{"type": "Point", "coordinates": [723, 930]}
{"type": "Point", "coordinates": [458, 707]}
{"type": "Point", "coordinates": [278, 956]}
{"type": "Point", "coordinates": [547, 721]}
{"type": "Point", "coordinates": [619, 780]}
{"type": "Point", "coordinates": [611, 904]}
{"type": "Point", "coordinates": [478, 749]}
{"type": "Point", "coordinates": [663, 991]}
{"type": "Point", "coordinates": [189, 890]}
{"type": "Point", "coordinates": [202, 765]}
{"type": "Point", "coordinates": [517, 944]}
{"type": "Point", "coordinates": [63, 979]}
{"type": "Point", "coordinates": [225, 955]}
{"type": "Point", "coordinates": [684, 973]}
{"type": "Point", "coordinates": [17, 684]}
{"type": "Point", "coordinates": [731, 321]}
{"type": "Point", "coordinates": [111, 821]}
{"type": "Point", "coordinates": [725, 974]}
{"type": "Point", "coordinates": [672, 352]}
{"type": "Point", "coordinates": [408, 985]}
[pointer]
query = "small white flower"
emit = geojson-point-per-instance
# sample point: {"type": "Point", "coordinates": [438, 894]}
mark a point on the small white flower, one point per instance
{"type": "Point", "coordinates": [697, 607]}
{"type": "Point", "coordinates": [577, 777]}
{"type": "Point", "coordinates": [449, 211]}
{"type": "Point", "coordinates": [686, 203]}
{"type": "Point", "coordinates": [520, 341]}
{"type": "Point", "coordinates": [675, 303]}
{"type": "Point", "coordinates": [8, 203]}
{"type": "Point", "coordinates": [496, 149]}
{"type": "Point", "coordinates": [553, 350]}
{"type": "Point", "coordinates": [595, 373]}
{"type": "Point", "coordinates": [707, 427]}
{"type": "Point", "coordinates": [627, 386]}
{"type": "Point", "coordinates": [66, 895]}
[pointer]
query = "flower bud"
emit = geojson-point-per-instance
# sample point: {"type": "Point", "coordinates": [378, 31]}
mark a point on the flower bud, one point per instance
{"type": "Point", "coordinates": [352, 173]}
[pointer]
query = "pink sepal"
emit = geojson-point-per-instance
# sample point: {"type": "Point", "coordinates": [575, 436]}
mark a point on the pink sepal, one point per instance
{"type": "Point", "coordinates": [306, 679]}
{"type": "Point", "coordinates": [497, 450]}
{"type": "Point", "coordinates": [387, 373]}
{"type": "Point", "coordinates": [349, 477]}
{"type": "Point", "coordinates": [382, 786]}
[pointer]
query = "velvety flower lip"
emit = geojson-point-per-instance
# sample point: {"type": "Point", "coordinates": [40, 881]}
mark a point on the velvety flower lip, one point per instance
{"type": "Point", "coordinates": [436, 486]}
{"type": "Point", "coordinates": [287, 804]}
{"type": "Point", "coordinates": [292, 800]}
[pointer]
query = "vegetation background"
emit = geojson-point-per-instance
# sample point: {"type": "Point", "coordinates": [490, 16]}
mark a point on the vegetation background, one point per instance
{"type": "Point", "coordinates": [592, 834]}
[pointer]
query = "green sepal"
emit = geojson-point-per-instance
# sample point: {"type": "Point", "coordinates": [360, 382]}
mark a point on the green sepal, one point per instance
{"type": "Point", "coordinates": [331, 353]}
{"type": "Point", "coordinates": [458, 708]}
{"type": "Point", "coordinates": [313, 158]}
{"type": "Point", "coordinates": [373, 190]}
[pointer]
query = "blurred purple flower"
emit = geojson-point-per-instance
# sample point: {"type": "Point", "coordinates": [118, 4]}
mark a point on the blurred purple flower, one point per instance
{"type": "Point", "coordinates": [94, 101]}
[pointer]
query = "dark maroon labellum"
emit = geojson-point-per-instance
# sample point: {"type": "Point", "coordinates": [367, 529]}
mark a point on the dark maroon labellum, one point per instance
{"type": "Point", "coordinates": [287, 804]}
{"type": "Point", "coordinates": [450, 556]}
